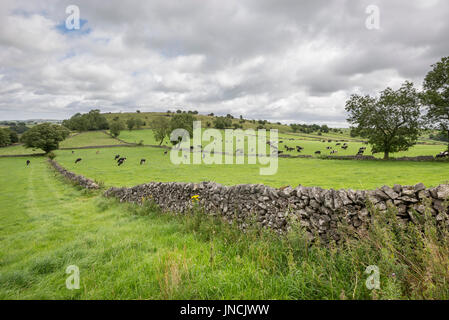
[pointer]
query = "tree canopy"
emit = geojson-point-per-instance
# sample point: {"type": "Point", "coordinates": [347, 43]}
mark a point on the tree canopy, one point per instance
{"type": "Point", "coordinates": [436, 96]}
{"type": "Point", "coordinates": [93, 120]}
{"type": "Point", "coordinates": [161, 128]}
{"type": "Point", "coordinates": [391, 122]}
{"type": "Point", "coordinates": [115, 127]}
{"type": "Point", "coordinates": [45, 136]}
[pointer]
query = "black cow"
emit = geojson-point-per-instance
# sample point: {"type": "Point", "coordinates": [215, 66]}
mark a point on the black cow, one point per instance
{"type": "Point", "coordinates": [121, 161]}
{"type": "Point", "coordinates": [78, 160]}
{"type": "Point", "coordinates": [142, 161]}
{"type": "Point", "coordinates": [117, 156]}
{"type": "Point", "coordinates": [28, 162]}
{"type": "Point", "coordinates": [443, 154]}
{"type": "Point", "coordinates": [165, 152]}
{"type": "Point", "coordinates": [317, 152]}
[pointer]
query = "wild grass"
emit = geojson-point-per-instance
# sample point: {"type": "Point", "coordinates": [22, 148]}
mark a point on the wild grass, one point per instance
{"type": "Point", "coordinates": [127, 251]}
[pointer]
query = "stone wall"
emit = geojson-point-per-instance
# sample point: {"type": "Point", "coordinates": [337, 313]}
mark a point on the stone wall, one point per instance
{"type": "Point", "coordinates": [317, 209]}
{"type": "Point", "coordinates": [78, 179]}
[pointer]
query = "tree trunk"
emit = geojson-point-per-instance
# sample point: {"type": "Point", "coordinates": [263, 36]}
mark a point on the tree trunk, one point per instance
{"type": "Point", "coordinates": [386, 156]}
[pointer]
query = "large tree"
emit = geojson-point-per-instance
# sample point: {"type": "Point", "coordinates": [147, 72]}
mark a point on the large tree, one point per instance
{"type": "Point", "coordinates": [45, 136]}
{"type": "Point", "coordinates": [161, 128]}
{"type": "Point", "coordinates": [93, 120]}
{"type": "Point", "coordinates": [5, 137]}
{"type": "Point", "coordinates": [182, 121]}
{"type": "Point", "coordinates": [436, 96]}
{"type": "Point", "coordinates": [115, 127]}
{"type": "Point", "coordinates": [391, 122]}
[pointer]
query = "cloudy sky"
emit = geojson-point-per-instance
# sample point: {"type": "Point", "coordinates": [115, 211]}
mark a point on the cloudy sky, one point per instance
{"type": "Point", "coordinates": [289, 61]}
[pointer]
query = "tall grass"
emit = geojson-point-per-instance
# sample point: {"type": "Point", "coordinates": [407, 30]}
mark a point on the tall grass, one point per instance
{"type": "Point", "coordinates": [413, 258]}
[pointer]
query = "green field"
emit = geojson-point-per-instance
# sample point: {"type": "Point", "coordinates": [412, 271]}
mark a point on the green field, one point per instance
{"type": "Point", "coordinates": [310, 144]}
{"type": "Point", "coordinates": [309, 172]}
{"type": "Point", "coordinates": [124, 251]}
{"type": "Point", "coordinates": [87, 139]}
{"type": "Point", "coordinates": [18, 149]}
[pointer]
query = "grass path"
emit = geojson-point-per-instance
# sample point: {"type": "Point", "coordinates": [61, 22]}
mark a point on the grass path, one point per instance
{"type": "Point", "coordinates": [47, 224]}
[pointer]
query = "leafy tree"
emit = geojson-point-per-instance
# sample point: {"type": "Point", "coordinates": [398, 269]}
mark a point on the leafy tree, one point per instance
{"type": "Point", "coordinates": [115, 127]}
{"type": "Point", "coordinates": [436, 96]}
{"type": "Point", "coordinates": [5, 139]}
{"type": "Point", "coordinates": [139, 123]}
{"type": "Point", "coordinates": [19, 128]}
{"type": "Point", "coordinates": [93, 120]}
{"type": "Point", "coordinates": [182, 121]}
{"type": "Point", "coordinates": [45, 136]}
{"type": "Point", "coordinates": [391, 122]}
{"type": "Point", "coordinates": [13, 136]}
{"type": "Point", "coordinates": [324, 128]}
{"type": "Point", "coordinates": [130, 123]}
{"type": "Point", "coordinates": [222, 122]}
{"type": "Point", "coordinates": [161, 128]}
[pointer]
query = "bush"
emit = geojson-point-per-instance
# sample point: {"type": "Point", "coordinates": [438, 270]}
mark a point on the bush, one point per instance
{"type": "Point", "coordinates": [51, 155]}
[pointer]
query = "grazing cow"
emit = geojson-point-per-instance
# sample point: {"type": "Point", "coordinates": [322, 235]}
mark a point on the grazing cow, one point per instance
{"type": "Point", "coordinates": [279, 151]}
{"type": "Point", "coordinates": [329, 140]}
{"type": "Point", "coordinates": [281, 141]}
{"type": "Point", "coordinates": [334, 151]}
{"type": "Point", "coordinates": [337, 144]}
{"type": "Point", "coordinates": [73, 152]}
{"type": "Point", "coordinates": [165, 152]}
{"type": "Point", "coordinates": [328, 148]}
{"type": "Point", "coordinates": [28, 162]}
{"type": "Point", "coordinates": [317, 152]}
{"type": "Point", "coordinates": [121, 161]}
{"type": "Point", "coordinates": [142, 161]}
{"type": "Point", "coordinates": [117, 156]}
{"type": "Point", "coordinates": [344, 147]}
{"type": "Point", "coordinates": [78, 160]}
{"type": "Point", "coordinates": [443, 154]}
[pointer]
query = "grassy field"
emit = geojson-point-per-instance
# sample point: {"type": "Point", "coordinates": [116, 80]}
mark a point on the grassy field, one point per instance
{"type": "Point", "coordinates": [310, 144]}
{"type": "Point", "coordinates": [90, 138]}
{"type": "Point", "coordinates": [18, 149]}
{"type": "Point", "coordinates": [309, 172]}
{"type": "Point", "coordinates": [129, 252]}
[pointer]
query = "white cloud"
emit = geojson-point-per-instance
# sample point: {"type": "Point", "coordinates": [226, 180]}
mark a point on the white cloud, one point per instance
{"type": "Point", "coordinates": [292, 61]}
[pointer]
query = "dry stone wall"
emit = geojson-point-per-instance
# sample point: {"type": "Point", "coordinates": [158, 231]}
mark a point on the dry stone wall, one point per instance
{"type": "Point", "coordinates": [78, 179]}
{"type": "Point", "coordinates": [317, 209]}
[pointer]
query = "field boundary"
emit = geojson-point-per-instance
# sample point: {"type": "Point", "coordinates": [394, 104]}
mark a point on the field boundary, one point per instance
{"type": "Point", "coordinates": [75, 178]}
{"type": "Point", "coordinates": [318, 211]}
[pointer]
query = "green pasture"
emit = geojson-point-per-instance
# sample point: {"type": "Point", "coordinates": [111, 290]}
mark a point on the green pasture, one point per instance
{"type": "Point", "coordinates": [87, 139]}
{"type": "Point", "coordinates": [309, 172]}
{"type": "Point", "coordinates": [19, 149]}
{"type": "Point", "coordinates": [310, 144]}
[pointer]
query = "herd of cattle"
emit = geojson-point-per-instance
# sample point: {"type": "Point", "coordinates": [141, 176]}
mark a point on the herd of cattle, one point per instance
{"type": "Point", "coordinates": [121, 160]}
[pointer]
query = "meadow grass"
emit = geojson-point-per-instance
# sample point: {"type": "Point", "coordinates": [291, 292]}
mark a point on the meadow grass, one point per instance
{"type": "Point", "coordinates": [127, 251]}
{"type": "Point", "coordinates": [310, 143]}
{"type": "Point", "coordinates": [18, 150]}
{"type": "Point", "coordinates": [89, 138]}
{"type": "Point", "coordinates": [308, 172]}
